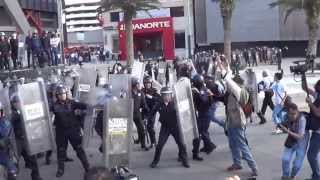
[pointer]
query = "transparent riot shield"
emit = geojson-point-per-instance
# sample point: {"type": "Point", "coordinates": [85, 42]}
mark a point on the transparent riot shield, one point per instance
{"type": "Point", "coordinates": [138, 69]}
{"type": "Point", "coordinates": [118, 117]}
{"type": "Point", "coordinates": [5, 101]}
{"type": "Point", "coordinates": [185, 108]}
{"type": "Point", "coordinates": [162, 73]}
{"type": "Point", "coordinates": [87, 81]}
{"type": "Point", "coordinates": [120, 84]}
{"type": "Point", "coordinates": [36, 117]}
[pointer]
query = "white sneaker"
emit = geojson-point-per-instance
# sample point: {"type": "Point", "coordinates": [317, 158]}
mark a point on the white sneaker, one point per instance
{"type": "Point", "coordinates": [277, 131]}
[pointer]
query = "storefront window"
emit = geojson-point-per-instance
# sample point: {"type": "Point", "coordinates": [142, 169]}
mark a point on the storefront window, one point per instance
{"type": "Point", "coordinates": [114, 17]}
{"type": "Point", "coordinates": [180, 40]}
{"type": "Point", "coordinates": [177, 11]}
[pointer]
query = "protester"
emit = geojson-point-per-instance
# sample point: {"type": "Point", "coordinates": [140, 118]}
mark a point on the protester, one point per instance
{"type": "Point", "coordinates": [296, 143]}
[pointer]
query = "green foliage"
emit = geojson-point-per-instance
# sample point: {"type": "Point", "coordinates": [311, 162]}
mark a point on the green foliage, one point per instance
{"type": "Point", "coordinates": [128, 5]}
{"type": "Point", "coordinates": [311, 8]}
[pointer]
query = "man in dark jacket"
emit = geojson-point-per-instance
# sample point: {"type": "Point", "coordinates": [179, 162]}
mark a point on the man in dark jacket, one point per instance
{"type": "Point", "coordinates": [68, 128]}
{"type": "Point", "coordinates": [139, 105]}
{"type": "Point", "coordinates": [4, 52]}
{"type": "Point", "coordinates": [36, 47]}
{"type": "Point", "coordinates": [28, 43]}
{"type": "Point", "coordinates": [14, 50]}
{"type": "Point", "coordinates": [45, 42]}
{"type": "Point", "coordinates": [202, 101]}
{"type": "Point", "coordinates": [152, 97]}
{"type": "Point", "coordinates": [169, 126]}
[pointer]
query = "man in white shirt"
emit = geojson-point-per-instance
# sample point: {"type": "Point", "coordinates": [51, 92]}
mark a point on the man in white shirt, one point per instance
{"type": "Point", "coordinates": [265, 86]}
{"type": "Point", "coordinates": [55, 42]}
{"type": "Point", "coordinates": [280, 96]}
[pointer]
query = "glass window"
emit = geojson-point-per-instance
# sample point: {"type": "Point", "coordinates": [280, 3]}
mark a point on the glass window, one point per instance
{"type": "Point", "coordinates": [114, 16]}
{"type": "Point", "coordinates": [180, 40]}
{"type": "Point", "coordinates": [177, 11]}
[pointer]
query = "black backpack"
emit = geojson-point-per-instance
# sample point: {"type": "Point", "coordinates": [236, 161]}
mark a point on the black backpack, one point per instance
{"type": "Point", "coordinates": [313, 122]}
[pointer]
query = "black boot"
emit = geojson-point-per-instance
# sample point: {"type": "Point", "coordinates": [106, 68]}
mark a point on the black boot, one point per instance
{"type": "Point", "coordinates": [262, 118]}
{"type": "Point", "coordinates": [84, 160]}
{"type": "Point", "coordinates": [185, 163]}
{"type": "Point", "coordinates": [35, 175]}
{"type": "Point", "coordinates": [153, 164]}
{"type": "Point", "coordinates": [60, 170]}
{"type": "Point", "coordinates": [68, 159]}
{"type": "Point", "coordinates": [196, 157]}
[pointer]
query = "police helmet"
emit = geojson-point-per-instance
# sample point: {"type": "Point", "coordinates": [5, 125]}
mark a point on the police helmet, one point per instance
{"type": "Point", "coordinates": [61, 90]}
{"type": "Point", "coordinates": [134, 81]}
{"type": "Point", "coordinates": [198, 80]}
{"type": "Point", "coordinates": [14, 99]}
{"type": "Point", "coordinates": [147, 79]}
{"type": "Point", "coordinates": [166, 90]}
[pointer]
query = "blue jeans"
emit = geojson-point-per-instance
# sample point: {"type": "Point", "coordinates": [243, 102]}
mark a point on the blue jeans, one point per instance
{"type": "Point", "coordinates": [299, 149]}
{"type": "Point", "coordinates": [8, 163]}
{"type": "Point", "coordinates": [213, 117]}
{"type": "Point", "coordinates": [313, 153]}
{"type": "Point", "coordinates": [239, 146]}
{"type": "Point", "coordinates": [55, 59]}
{"type": "Point", "coordinates": [275, 114]}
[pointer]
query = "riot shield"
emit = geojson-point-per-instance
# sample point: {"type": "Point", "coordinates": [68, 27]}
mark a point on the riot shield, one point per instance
{"type": "Point", "coordinates": [118, 117]}
{"type": "Point", "coordinates": [87, 81]}
{"type": "Point", "coordinates": [21, 50]}
{"type": "Point", "coordinates": [162, 73]}
{"type": "Point", "coordinates": [5, 101]}
{"type": "Point", "coordinates": [121, 85]}
{"type": "Point", "coordinates": [138, 69]}
{"type": "Point", "coordinates": [36, 117]}
{"type": "Point", "coordinates": [185, 108]}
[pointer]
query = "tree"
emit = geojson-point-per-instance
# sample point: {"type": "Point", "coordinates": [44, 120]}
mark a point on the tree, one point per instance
{"type": "Point", "coordinates": [226, 8]}
{"type": "Point", "coordinates": [129, 8]}
{"type": "Point", "coordinates": [312, 11]}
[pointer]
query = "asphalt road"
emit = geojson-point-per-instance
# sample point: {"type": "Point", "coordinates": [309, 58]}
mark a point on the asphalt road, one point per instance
{"type": "Point", "coordinates": [267, 150]}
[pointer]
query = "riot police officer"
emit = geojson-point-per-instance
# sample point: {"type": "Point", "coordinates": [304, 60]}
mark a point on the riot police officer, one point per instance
{"type": "Point", "coordinates": [169, 126]}
{"type": "Point", "coordinates": [152, 97]}
{"type": "Point", "coordinates": [5, 145]}
{"type": "Point", "coordinates": [202, 101]}
{"type": "Point", "coordinates": [68, 128]}
{"type": "Point", "coordinates": [139, 105]}
{"type": "Point", "coordinates": [17, 122]}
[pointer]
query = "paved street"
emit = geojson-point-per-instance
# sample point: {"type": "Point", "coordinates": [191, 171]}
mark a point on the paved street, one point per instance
{"type": "Point", "coordinates": [267, 151]}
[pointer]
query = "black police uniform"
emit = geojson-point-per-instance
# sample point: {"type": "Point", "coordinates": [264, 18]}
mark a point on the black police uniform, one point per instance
{"type": "Point", "coordinates": [169, 126]}
{"type": "Point", "coordinates": [203, 102]}
{"type": "Point", "coordinates": [151, 102]}
{"type": "Point", "coordinates": [139, 102]}
{"type": "Point", "coordinates": [4, 57]}
{"type": "Point", "coordinates": [68, 129]}
{"type": "Point", "coordinates": [30, 161]}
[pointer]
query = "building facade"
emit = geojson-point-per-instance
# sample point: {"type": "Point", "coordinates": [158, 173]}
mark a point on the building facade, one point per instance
{"type": "Point", "coordinates": [41, 14]}
{"type": "Point", "coordinates": [161, 32]}
{"type": "Point", "coordinates": [253, 23]}
{"type": "Point", "coordinates": [82, 22]}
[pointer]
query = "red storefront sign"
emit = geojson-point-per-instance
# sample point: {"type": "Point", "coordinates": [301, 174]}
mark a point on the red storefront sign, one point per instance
{"type": "Point", "coordinates": [163, 26]}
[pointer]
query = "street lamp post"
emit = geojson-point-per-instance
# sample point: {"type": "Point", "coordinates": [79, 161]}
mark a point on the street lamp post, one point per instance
{"type": "Point", "coordinates": [189, 34]}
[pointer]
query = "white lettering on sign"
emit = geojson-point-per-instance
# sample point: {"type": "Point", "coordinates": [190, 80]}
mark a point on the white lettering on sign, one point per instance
{"type": "Point", "coordinates": [118, 125]}
{"type": "Point", "coordinates": [84, 87]}
{"type": "Point", "coordinates": [148, 25]}
{"type": "Point", "coordinates": [33, 111]}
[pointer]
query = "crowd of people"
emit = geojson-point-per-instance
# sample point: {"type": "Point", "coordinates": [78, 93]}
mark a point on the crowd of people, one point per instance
{"type": "Point", "coordinates": [207, 92]}
{"type": "Point", "coordinates": [41, 49]}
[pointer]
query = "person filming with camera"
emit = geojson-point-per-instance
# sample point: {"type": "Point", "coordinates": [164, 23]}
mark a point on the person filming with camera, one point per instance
{"type": "Point", "coordinates": [314, 125]}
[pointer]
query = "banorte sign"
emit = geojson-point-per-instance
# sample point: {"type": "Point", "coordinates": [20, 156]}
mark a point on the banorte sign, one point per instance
{"type": "Point", "coordinates": [148, 25]}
